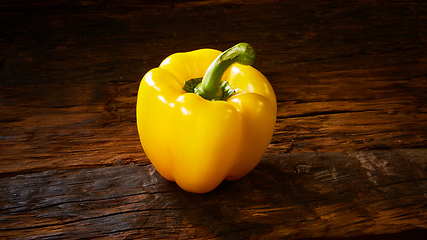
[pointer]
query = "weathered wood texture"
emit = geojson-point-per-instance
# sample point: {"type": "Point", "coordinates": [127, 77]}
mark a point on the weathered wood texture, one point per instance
{"type": "Point", "coordinates": [348, 156]}
{"type": "Point", "coordinates": [292, 196]}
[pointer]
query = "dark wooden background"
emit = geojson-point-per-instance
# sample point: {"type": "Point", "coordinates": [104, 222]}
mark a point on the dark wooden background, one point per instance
{"type": "Point", "coordinates": [348, 158]}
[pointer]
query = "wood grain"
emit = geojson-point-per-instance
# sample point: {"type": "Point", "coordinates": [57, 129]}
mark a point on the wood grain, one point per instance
{"type": "Point", "coordinates": [348, 157]}
{"type": "Point", "coordinates": [297, 195]}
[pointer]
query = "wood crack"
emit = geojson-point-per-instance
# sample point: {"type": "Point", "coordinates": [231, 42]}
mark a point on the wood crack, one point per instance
{"type": "Point", "coordinates": [320, 113]}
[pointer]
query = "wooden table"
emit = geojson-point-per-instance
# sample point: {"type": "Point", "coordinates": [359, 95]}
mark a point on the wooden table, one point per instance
{"type": "Point", "coordinates": [349, 153]}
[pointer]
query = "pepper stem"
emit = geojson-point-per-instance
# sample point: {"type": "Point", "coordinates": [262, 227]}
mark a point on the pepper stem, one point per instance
{"type": "Point", "coordinates": [210, 87]}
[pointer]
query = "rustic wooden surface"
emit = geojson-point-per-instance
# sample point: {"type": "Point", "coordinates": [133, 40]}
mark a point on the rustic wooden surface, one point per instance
{"type": "Point", "coordinates": [348, 157]}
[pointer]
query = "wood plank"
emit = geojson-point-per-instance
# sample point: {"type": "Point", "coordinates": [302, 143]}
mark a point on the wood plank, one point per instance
{"type": "Point", "coordinates": [97, 124]}
{"type": "Point", "coordinates": [292, 196]}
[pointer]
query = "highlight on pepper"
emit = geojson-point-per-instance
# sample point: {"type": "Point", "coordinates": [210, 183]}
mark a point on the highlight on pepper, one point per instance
{"type": "Point", "coordinates": [206, 116]}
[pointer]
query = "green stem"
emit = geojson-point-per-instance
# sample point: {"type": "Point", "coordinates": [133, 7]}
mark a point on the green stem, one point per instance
{"type": "Point", "coordinates": [210, 87]}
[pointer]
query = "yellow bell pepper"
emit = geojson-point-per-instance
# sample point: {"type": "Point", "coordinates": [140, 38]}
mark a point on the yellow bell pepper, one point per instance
{"type": "Point", "coordinates": [202, 131]}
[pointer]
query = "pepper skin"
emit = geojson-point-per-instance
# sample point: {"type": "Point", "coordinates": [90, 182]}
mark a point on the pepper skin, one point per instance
{"type": "Point", "coordinates": [198, 142]}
